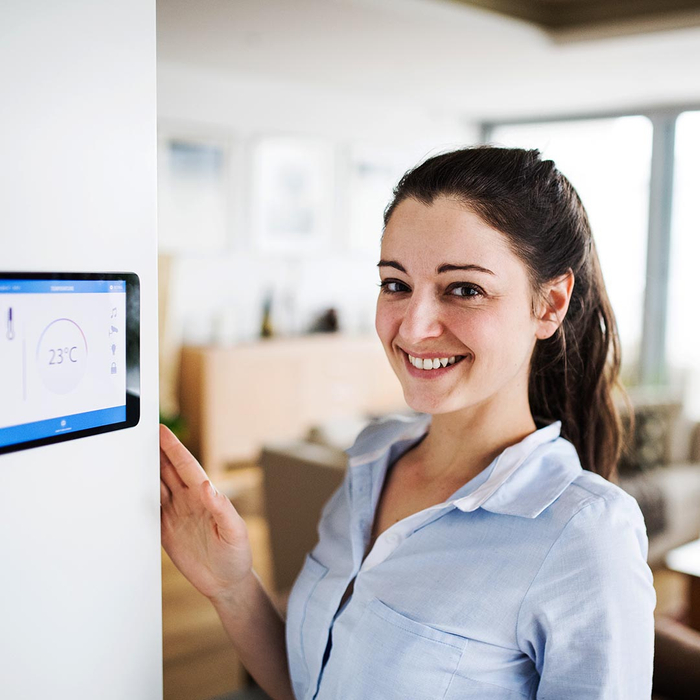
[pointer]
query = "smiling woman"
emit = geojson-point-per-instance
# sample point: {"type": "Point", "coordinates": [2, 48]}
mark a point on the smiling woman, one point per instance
{"type": "Point", "coordinates": [521, 222]}
{"type": "Point", "coordinates": [479, 311]}
{"type": "Point", "coordinates": [478, 558]}
{"type": "Point", "coordinates": [475, 550]}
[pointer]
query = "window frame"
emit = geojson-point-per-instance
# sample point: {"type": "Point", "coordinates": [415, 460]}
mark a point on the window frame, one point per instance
{"type": "Point", "coordinates": [653, 365]}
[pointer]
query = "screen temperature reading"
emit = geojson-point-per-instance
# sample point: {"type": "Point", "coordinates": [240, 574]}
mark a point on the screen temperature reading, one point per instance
{"type": "Point", "coordinates": [62, 355]}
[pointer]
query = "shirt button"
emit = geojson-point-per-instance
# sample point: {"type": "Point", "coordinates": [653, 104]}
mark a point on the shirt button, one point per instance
{"type": "Point", "coordinates": [393, 538]}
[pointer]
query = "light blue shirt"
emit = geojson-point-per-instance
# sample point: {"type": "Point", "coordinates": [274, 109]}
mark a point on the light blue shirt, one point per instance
{"type": "Point", "coordinates": [531, 581]}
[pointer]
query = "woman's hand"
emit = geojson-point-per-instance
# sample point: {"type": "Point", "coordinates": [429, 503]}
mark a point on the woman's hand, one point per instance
{"type": "Point", "coordinates": [201, 531]}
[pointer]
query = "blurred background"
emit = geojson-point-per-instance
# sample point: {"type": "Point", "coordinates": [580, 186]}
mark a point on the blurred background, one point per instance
{"type": "Point", "coordinates": [282, 129]}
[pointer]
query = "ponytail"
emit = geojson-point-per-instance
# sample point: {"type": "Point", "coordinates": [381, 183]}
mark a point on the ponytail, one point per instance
{"type": "Point", "coordinates": [574, 374]}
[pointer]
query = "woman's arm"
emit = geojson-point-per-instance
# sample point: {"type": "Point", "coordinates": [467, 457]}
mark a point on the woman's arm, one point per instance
{"type": "Point", "coordinates": [257, 631]}
{"type": "Point", "coordinates": [587, 619]}
{"type": "Point", "coordinates": [208, 541]}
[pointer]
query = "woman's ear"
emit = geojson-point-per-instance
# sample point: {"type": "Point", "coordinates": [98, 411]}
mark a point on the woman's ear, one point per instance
{"type": "Point", "coordinates": [554, 305]}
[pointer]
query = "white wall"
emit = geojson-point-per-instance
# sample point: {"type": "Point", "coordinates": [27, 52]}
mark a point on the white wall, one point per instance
{"type": "Point", "coordinates": [218, 295]}
{"type": "Point", "coordinates": [251, 104]}
{"type": "Point", "coordinates": [79, 521]}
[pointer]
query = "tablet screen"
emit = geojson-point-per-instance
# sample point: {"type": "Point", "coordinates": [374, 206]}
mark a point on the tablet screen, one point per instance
{"type": "Point", "coordinates": [67, 365]}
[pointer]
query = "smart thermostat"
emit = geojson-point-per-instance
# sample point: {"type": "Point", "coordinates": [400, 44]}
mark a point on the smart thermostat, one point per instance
{"type": "Point", "coordinates": [69, 356]}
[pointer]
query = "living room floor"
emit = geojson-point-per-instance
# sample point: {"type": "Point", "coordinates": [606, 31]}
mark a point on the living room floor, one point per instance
{"type": "Point", "coordinates": [251, 694]}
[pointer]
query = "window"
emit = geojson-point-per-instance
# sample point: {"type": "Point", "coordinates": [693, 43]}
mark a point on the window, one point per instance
{"type": "Point", "coordinates": [683, 325]}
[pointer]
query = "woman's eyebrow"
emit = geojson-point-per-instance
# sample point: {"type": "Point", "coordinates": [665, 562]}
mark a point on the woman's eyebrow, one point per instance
{"type": "Point", "coordinates": [391, 263]}
{"type": "Point", "coordinates": [443, 268]}
{"type": "Point", "coordinates": [473, 268]}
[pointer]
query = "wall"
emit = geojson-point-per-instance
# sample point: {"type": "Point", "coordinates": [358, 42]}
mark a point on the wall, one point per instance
{"type": "Point", "coordinates": [79, 521]}
{"type": "Point", "coordinates": [217, 296]}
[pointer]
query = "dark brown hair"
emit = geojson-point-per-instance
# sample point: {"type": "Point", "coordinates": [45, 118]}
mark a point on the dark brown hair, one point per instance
{"type": "Point", "coordinates": [573, 373]}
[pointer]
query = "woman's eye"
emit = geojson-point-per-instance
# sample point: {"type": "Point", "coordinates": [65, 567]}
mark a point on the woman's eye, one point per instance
{"type": "Point", "coordinates": [465, 290]}
{"type": "Point", "coordinates": [393, 286]}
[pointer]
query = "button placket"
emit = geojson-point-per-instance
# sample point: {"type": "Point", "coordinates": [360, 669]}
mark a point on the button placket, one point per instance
{"type": "Point", "coordinates": [361, 522]}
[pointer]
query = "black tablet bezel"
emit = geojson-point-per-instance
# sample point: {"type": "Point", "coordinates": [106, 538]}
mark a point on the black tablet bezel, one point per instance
{"type": "Point", "coordinates": [133, 353]}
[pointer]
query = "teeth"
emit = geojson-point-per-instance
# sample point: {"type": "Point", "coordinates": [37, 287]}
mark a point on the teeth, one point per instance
{"type": "Point", "coordinates": [431, 363]}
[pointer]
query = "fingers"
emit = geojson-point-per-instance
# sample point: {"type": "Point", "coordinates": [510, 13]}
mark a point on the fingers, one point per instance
{"type": "Point", "coordinates": [179, 457]}
{"type": "Point", "coordinates": [227, 520]}
{"type": "Point", "coordinates": [165, 494]}
{"type": "Point", "coordinates": [169, 475]}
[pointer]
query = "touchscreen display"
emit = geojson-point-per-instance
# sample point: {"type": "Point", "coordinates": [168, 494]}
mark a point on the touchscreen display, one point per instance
{"type": "Point", "coordinates": [63, 357]}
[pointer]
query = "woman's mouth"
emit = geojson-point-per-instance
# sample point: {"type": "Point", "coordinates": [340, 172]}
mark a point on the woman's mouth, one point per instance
{"type": "Point", "coordinates": [431, 366]}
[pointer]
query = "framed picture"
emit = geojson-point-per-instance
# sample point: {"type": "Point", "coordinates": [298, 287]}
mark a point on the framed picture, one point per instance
{"type": "Point", "coordinates": [373, 172]}
{"type": "Point", "coordinates": [292, 194]}
{"type": "Point", "coordinates": [194, 192]}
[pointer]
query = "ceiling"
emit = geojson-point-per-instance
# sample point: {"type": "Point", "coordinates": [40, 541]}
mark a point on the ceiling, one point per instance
{"type": "Point", "coordinates": [568, 16]}
{"type": "Point", "coordinates": [442, 53]}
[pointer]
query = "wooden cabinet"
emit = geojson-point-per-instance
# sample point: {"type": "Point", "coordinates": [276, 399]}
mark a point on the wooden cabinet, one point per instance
{"type": "Point", "coordinates": [235, 399]}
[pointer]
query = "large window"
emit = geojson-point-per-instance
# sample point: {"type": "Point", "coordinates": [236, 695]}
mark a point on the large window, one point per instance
{"type": "Point", "coordinates": [608, 161]}
{"type": "Point", "coordinates": [683, 325]}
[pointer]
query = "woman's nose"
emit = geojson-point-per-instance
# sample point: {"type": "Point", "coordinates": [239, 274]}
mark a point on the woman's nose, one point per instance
{"type": "Point", "coordinates": [421, 320]}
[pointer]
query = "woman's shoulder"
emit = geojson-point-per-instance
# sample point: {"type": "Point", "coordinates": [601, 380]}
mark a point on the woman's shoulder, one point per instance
{"type": "Point", "coordinates": [551, 490]}
{"type": "Point", "coordinates": [599, 511]}
{"type": "Point", "coordinates": [590, 489]}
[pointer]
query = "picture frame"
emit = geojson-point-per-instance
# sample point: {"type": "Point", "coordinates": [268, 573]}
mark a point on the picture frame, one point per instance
{"type": "Point", "coordinates": [292, 191]}
{"type": "Point", "coordinates": [372, 173]}
{"type": "Point", "coordinates": [194, 191]}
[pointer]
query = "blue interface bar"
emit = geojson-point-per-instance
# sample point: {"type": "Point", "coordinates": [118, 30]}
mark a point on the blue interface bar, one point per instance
{"type": "Point", "coordinates": [66, 424]}
{"type": "Point", "coordinates": [20, 286]}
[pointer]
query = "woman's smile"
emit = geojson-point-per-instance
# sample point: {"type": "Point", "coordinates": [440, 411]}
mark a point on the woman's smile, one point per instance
{"type": "Point", "coordinates": [431, 366]}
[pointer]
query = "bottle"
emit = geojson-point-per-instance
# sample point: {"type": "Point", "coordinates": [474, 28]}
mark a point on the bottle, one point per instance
{"type": "Point", "coordinates": [266, 329]}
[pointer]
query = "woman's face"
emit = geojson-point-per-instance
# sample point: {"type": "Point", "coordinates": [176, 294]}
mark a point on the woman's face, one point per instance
{"type": "Point", "coordinates": [454, 296]}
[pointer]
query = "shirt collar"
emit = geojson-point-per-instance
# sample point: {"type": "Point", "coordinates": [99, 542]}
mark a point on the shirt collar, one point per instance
{"type": "Point", "coordinates": [378, 437]}
{"type": "Point", "coordinates": [528, 476]}
{"type": "Point", "coordinates": [524, 480]}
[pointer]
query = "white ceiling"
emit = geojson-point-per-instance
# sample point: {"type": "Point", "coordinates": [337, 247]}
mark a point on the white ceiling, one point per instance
{"type": "Point", "coordinates": [435, 52]}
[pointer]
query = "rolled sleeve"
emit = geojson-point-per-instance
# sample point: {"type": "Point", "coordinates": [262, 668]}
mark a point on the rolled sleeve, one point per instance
{"type": "Point", "coordinates": [587, 618]}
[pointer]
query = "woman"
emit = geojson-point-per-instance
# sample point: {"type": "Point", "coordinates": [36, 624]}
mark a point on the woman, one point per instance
{"type": "Point", "coordinates": [477, 550]}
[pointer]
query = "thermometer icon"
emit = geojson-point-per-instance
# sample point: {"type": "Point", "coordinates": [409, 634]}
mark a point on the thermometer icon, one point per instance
{"type": "Point", "coordinates": [10, 325]}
